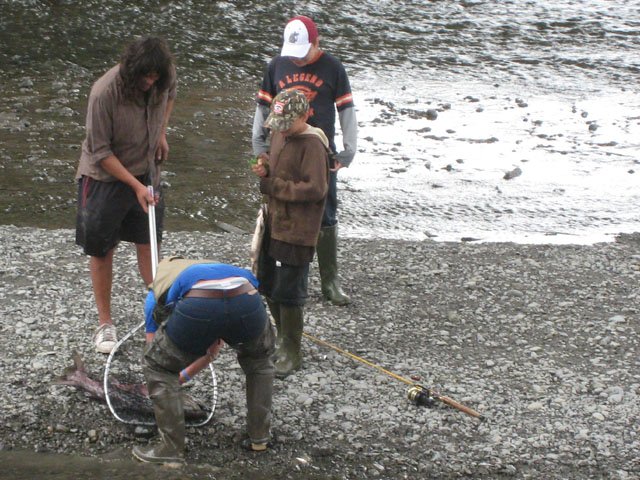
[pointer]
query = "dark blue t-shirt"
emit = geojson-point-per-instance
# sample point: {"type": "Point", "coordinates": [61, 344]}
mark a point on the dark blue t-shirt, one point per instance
{"type": "Point", "coordinates": [324, 82]}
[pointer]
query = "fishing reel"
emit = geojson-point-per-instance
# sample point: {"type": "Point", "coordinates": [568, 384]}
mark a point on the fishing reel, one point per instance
{"type": "Point", "coordinates": [420, 396]}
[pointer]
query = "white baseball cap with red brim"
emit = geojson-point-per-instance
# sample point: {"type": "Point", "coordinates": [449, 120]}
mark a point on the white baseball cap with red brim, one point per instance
{"type": "Point", "coordinates": [299, 35]}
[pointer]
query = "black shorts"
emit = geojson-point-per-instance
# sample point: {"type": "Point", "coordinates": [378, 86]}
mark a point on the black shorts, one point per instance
{"type": "Point", "coordinates": [109, 212]}
{"type": "Point", "coordinates": [282, 283]}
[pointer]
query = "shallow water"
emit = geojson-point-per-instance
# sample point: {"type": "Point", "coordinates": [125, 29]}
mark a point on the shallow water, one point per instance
{"type": "Point", "coordinates": [550, 87]}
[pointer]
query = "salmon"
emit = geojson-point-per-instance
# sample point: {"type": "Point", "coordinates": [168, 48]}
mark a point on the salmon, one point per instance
{"type": "Point", "coordinates": [256, 240]}
{"type": "Point", "coordinates": [133, 398]}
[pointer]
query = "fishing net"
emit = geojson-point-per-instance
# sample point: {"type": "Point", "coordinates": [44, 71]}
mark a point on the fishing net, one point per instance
{"type": "Point", "coordinates": [125, 390]}
{"type": "Point", "coordinates": [123, 371]}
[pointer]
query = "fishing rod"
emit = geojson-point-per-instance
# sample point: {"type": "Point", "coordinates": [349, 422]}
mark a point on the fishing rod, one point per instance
{"type": "Point", "coordinates": [153, 240]}
{"type": "Point", "coordinates": [417, 394]}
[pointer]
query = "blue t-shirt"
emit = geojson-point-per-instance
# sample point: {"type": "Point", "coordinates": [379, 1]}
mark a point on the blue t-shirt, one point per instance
{"type": "Point", "coordinates": [186, 280]}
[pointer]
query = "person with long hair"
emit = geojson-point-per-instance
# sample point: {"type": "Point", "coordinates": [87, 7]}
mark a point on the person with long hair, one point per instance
{"type": "Point", "coordinates": [127, 117]}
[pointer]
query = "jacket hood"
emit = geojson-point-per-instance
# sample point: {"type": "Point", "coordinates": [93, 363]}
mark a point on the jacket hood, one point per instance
{"type": "Point", "coordinates": [319, 133]}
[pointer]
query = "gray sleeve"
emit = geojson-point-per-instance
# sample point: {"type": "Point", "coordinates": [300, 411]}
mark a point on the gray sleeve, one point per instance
{"type": "Point", "coordinates": [259, 134]}
{"type": "Point", "coordinates": [349, 126]}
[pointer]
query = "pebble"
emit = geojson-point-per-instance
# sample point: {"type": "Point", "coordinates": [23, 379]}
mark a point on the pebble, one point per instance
{"type": "Point", "coordinates": [615, 398]}
{"type": "Point", "coordinates": [537, 369]}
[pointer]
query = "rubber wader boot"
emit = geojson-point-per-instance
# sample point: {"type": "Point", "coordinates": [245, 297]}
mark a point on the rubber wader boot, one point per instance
{"type": "Point", "coordinates": [288, 357]}
{"type": "Point", "coordinates": [274, 308]}
{"type": "Point", "coordinates": [328, 262]}
{"type": "Point", "coordinates": [164, 390]}
{"type": "Point", "coordinates": [259, 392]}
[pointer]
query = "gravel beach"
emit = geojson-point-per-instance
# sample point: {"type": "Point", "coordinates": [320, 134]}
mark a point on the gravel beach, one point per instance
{"type": "Point", "coordinates": [540, 339]}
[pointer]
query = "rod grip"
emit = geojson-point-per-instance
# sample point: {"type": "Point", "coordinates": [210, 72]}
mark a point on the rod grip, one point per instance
{"type": "Point", "coordinates": [459, 406]}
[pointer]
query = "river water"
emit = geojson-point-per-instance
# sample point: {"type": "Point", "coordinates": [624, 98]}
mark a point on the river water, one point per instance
{"type": "Point", "coordinates": [548, 87]}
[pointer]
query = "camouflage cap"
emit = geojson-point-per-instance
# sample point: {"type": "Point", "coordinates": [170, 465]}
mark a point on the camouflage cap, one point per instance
{"type": "Point", "coordinates": [286, 107]}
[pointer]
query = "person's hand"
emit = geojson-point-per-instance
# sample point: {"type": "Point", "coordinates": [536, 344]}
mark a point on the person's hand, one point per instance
{"type": "Point", "coordinates": [260, 168]}
{"type": "Point", "coordinates": [336, 166]}
{"type": "Point", "coordinates": [214, 349]}
{"type": "Point", "coordinates": [144, 197]}
{"type": "Point", "coordinates": [162, 152]}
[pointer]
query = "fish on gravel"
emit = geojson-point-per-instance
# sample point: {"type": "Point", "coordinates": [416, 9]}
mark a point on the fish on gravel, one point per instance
{"type": "Point", "coordinates": [256, 240]}
{"type": "Point", "coordinates": [130, 397]}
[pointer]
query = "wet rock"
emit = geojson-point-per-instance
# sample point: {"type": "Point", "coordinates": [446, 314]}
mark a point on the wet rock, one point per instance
{"type": "Point", "coordinates": [67, 112]}
{"type": "Point", "coordinates": [143, 432]}
{"type": "Point", "coordinates": [432, 114]}
{"type": "Point", "coordinates": [516, 172]}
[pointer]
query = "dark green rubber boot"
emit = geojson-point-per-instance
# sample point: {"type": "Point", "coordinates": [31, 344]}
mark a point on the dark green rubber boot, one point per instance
{"type": "Point", "coordinates": [288, 357]}
{"type": "Point", "coordinates": [328, 263]}
{"type": "Point", "coordinates": [164, 391]}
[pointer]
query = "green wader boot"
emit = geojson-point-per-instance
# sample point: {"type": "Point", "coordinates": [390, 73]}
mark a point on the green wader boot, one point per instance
{"type": "Point", "coordinates": [259, 391]}
{"type": "Point", "coordinates": [328, 262]}
{"type": "Point", "coordinates": [288, 357]}
{"type": "Point", "coordinates": [164, 390]}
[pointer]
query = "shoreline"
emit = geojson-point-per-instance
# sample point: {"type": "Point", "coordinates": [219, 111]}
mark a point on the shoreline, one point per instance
{"type": "Point", "coordinates": [541, 339]}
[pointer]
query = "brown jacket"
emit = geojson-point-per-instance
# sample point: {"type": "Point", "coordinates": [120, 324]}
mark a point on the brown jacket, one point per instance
{"type": "Point", "coordinates": [297, 186]}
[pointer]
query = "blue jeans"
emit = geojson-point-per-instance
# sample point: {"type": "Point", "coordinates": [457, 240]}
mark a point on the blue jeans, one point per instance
{"type": "Point", "coordinates": [329, 216]}
{"type": "Point", "coordinates": [196, 323]}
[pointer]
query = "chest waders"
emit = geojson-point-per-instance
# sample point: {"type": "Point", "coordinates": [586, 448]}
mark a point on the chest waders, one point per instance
{"type": "Point", "coordinates": [164, 388]}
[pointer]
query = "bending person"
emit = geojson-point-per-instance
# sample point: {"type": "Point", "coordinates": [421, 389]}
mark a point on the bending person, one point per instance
{"type": "Point", "coordinates": [192, 308]}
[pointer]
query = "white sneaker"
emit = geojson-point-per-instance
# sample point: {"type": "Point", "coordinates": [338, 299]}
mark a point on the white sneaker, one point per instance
{"type": "Point", "coordinates": [105, 338]}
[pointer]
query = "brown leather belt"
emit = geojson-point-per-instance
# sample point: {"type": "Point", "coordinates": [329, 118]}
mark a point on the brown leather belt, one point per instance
{"type": "Point", "coordinates": [211, 293]}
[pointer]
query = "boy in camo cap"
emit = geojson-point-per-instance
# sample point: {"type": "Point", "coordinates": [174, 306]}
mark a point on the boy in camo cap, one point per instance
{"type": "Point", "coordinates": [295, 181]}
{"type": "Point", "coordinates": [287, 106]}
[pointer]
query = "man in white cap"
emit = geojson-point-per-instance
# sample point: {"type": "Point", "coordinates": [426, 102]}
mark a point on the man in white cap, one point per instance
{"type": "Point", "coordinates": [323, 79]}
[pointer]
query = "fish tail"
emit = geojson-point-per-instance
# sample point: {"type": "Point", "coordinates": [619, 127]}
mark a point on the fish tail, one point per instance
{"type": "Point", "coordinates": [77, 362]}
{"type": "Point", "coordinates": [67, 377]}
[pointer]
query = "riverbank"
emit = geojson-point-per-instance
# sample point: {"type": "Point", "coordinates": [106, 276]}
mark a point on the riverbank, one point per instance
{"type": "Point", "coordinates": [541, 339]}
